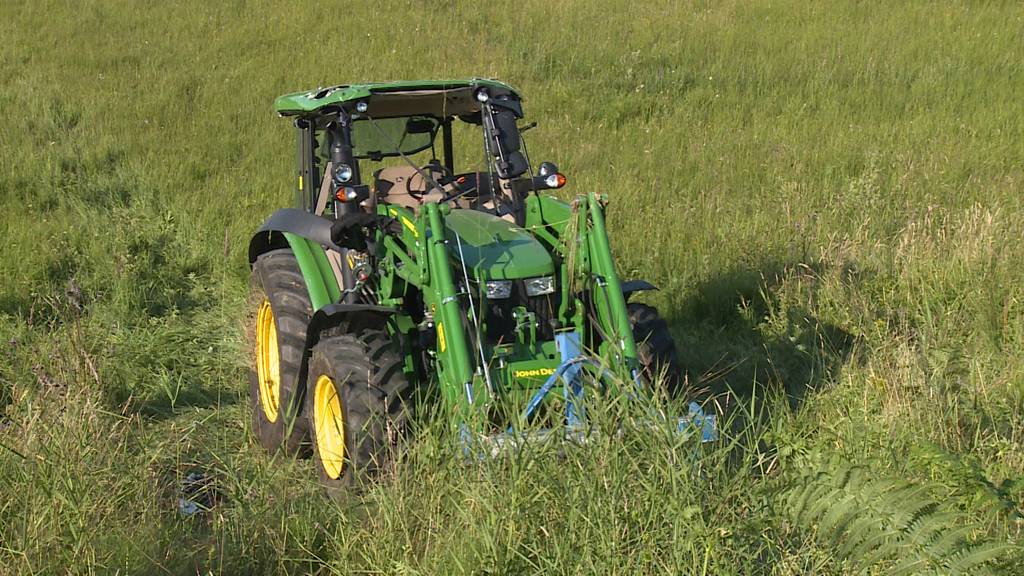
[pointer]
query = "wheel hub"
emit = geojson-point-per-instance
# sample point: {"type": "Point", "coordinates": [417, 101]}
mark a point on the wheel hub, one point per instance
{"type": "Point", "coordinates": [329, 421]}
{"type": "Point", "coordinates": [268, 362]}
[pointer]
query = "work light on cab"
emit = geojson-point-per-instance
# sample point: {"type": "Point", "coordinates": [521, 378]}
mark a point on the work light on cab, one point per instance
{"type": "Point", "coordinates": [342, 173]}
{"type": "Point", "coordinates": [548, 173]}
{"type": "Point", "coordinates": [555, 181]}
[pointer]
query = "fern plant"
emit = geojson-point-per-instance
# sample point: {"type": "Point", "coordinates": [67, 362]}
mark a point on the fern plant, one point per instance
{"type": "Point", "coordinates": [888, 526]}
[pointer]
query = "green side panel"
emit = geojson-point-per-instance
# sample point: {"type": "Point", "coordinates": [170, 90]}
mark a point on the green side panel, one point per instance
{"type": "Point", "coordinates": [326, 272]}
{"type": "Point", "coordinates": [316, 270]}
{"type": "Point", "coordinates": [495, 249]}
{"type": "Point", "coordinates": [311, 100]}
{"type": "Point", "coordinates": [543, 210]}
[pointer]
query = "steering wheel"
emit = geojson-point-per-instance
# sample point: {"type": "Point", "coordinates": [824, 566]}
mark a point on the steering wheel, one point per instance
{"type": "Point", "coordinates": [481, 184]}
{"type": "Point", "coordinates": [426, 169]}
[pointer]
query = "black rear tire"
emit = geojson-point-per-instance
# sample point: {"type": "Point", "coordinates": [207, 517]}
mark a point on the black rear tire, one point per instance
{"type": "Point", "coordinates": [657, 349]}
{"type": "Point", "coordinates": [365, 373]}
{"type": "Point", "coordinates": [277, 286]}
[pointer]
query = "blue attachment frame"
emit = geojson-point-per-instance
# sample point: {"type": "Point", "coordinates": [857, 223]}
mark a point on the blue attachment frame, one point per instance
{"type": "Point", "coordinates": [696, 418]}
{"type": "Point", "coordinates": [570, 373]}
{"type": "Point", "coordinates": [568, 344]}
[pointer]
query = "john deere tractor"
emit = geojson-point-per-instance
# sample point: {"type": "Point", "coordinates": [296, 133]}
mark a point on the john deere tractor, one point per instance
{"type": "Point", "coordinates": [428, 260]}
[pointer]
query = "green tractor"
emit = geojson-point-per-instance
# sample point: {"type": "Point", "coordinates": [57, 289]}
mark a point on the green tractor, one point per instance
{"type": "Point", "coordinates": [458, 280]}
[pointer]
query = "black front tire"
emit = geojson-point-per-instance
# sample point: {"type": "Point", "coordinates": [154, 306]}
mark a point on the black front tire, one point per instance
{"type": "Point", "coordinates": [659, 361]}
{"type": "Point", "coordinates": [277, 286]}
{"type": "Point", "coordinates": [365, 373]}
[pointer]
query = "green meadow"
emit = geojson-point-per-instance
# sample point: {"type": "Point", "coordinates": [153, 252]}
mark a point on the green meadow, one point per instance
{"type": "Point", "coordinates": [828, 194]}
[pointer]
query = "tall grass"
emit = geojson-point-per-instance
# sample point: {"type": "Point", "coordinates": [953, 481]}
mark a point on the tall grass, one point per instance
{"type": "Point", "coordinates": [828, 195]}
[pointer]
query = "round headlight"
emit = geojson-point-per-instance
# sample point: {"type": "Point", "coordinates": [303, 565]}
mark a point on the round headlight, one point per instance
{"type": "Point", "coordinates": [342, 173]}
{"type": "Point", "coordinates": [482, 95]}
{"type": "Point", "coordinates": [362, 106]}
{"type": "Point", "coordinates": [547, 168]}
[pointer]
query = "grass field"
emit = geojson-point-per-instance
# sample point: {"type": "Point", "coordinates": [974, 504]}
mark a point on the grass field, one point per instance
{"type": "Point", "coordinates": [829, 195]}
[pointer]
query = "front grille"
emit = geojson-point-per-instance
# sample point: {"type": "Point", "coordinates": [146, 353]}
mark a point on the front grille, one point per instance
{"type": "Point", "coordinates": [501, 325]}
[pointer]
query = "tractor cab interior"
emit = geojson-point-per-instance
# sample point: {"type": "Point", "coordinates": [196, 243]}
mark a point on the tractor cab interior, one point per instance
{"type": "Point", "coordinates": [413, 172]}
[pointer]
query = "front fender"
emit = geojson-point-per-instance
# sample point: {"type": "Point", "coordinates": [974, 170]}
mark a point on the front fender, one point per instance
{"type": "Point", "coordinates": [309, 238]}
{"type": "Point", "coordinates": [292, 221]}
{"type": "Point", "coordinates": [351, 316]}
{"type": "Point", "coordinates": [633, 286]}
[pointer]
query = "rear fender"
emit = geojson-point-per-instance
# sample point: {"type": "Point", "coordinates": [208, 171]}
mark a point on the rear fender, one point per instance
{"type": "Point", "coordinates": [307, 235]}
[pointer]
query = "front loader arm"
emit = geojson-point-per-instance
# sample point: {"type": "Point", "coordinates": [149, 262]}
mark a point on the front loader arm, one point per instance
{"type": "Point", "coordinates": [455, 366]}
{"type": "Point", "coordinates": [577, 232]}
{"type": "Point", "coordinates": [419, 255]}
{"type": "Point", "coordinates": [607, 289]}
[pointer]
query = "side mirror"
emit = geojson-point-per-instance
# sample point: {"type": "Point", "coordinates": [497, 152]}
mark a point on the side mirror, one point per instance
{"type": "Point", "coordinates": [499, 116]}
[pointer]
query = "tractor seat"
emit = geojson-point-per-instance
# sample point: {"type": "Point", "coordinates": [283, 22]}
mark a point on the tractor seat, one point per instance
{"type": "Point", "coordinates": [394, 183]}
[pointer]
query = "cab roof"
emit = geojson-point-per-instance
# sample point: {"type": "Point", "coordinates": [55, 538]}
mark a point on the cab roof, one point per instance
{"type": "Point", "coordinates": [439, 98]}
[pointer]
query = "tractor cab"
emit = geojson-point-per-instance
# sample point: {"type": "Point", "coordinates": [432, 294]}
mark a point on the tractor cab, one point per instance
{"type": "Point", "coordinates": [412, 143]}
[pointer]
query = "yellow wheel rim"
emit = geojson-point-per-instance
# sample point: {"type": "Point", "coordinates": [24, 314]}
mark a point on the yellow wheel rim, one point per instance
{"type": "Point", "coordinates": [329, 421]}
{"type": "Point", "coordinates": [268, 362]}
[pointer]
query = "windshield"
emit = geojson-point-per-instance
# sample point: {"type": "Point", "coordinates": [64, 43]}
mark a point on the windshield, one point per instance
{"type": "Point", "coordinates": [376, 139]}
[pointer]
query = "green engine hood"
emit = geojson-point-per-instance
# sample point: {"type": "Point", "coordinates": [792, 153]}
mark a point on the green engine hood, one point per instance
{"type": "Point", "coordinates": [495, 249]}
